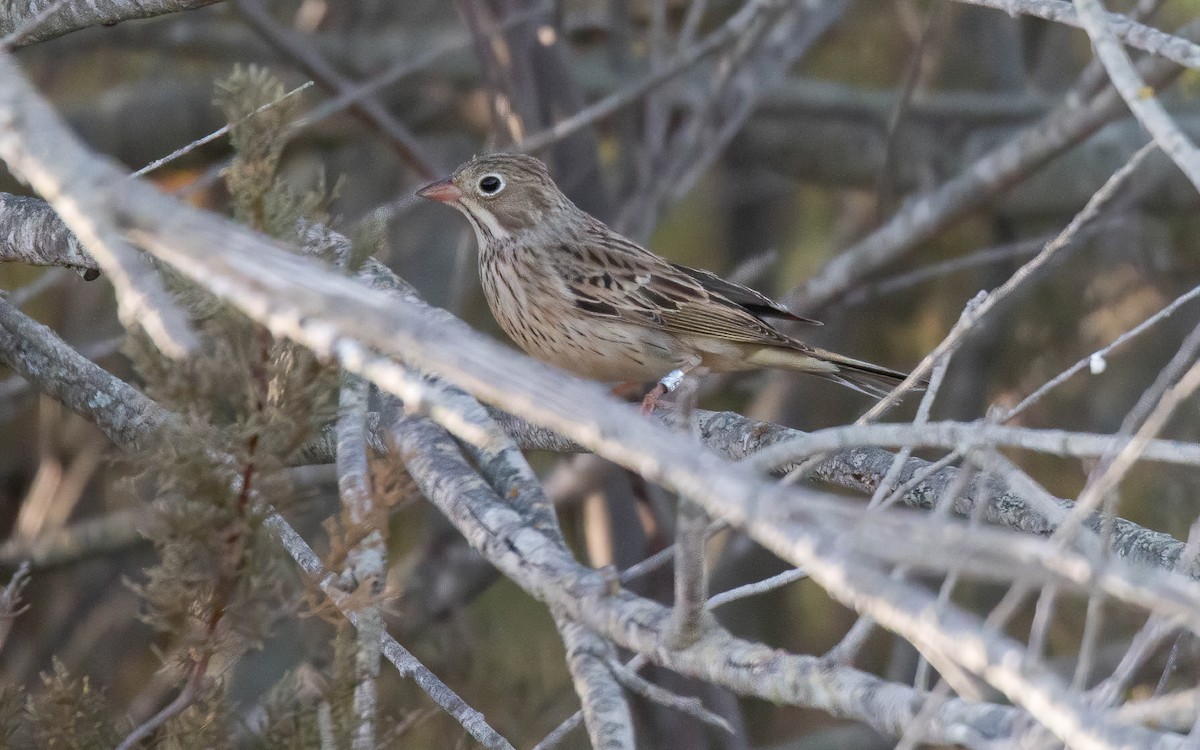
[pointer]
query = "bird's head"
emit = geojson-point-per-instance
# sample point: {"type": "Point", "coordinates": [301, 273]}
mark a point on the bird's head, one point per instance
{"type": "Point", "coordinates": [501, 194]}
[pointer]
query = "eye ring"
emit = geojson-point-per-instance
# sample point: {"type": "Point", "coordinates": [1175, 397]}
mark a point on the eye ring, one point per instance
{"type": "Point", "coordinates": [491, 184]}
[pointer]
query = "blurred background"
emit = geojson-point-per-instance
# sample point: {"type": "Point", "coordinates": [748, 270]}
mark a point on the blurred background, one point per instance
{"type": "Point", "coordinates": [773, 148]}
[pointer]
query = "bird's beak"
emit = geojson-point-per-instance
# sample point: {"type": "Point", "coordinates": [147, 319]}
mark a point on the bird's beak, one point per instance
{"type": "Point", "coordinates": [444, 191]}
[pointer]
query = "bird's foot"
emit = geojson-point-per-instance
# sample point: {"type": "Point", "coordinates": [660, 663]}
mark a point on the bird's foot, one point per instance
{"type": "Point", "coordinates": [669, 383]}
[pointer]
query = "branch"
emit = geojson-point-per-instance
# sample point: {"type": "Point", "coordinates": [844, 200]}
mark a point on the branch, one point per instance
{"type": "Point", "coordinates": [30, 232]}
{"type": "Point", "coordinates": [1140, 36]}
{"type": "Point", "coordinates": [132, 421]}
{"type": "Point", "coordinates": [1137, 95]}
{"type": "Point", "coordinates": [963, 436]}
{"type": "Point", "coordinates": [407, 664]}
{"type": "Point", "coordinates": [744, 666]}
{"type": "Point", "coordinates": [58, 173]}
{"type": "Point", "coordinates": [691, 575]}
{"type": "Point", "coordinates": [294, 47]}
{"type": "Point", "coordinates": [729, 33]}
{"type": "Point", "coordinates": [10, 600]}
{"type": "Point", "coordinates": [862, 469]}
{"type": "Point", "coordinates": [549, 572]}
{"type": "Point", "coordinates": [122, 413]}
{"type": "Point", "coordinates": [371, 333]}
{"type": "Point", "coordinates": [366, 561]}
{"type": "Point", "coordinates": [53, 18]}
{"type": "Point", "coordinates": [921, 216]}
{"type": "Point", "coordinates": [87, 538]}
{"type": "Point", "coordinates": [605, 709]}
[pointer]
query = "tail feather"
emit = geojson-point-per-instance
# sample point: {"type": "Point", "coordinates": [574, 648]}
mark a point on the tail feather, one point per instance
{"type": "Point", "coordinates": [863, 377]}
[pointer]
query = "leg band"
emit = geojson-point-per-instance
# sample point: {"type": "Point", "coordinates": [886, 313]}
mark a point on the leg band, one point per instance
{"type": "Point", "coordinates": [672, 380]}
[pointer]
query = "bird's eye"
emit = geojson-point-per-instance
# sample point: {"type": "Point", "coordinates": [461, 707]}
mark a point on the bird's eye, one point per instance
{"type": "Point", "coordinates": [490, 184]}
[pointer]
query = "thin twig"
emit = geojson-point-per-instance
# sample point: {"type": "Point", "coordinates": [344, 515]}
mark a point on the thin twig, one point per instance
{"type": "Point", "coordinates": [1130, 32]}
{"type": "Point", "coordinates": [296, 48]}
{"type": "Point", "coordinates": [187, 149]}
{"type": "Point", "coordinates": [1136, 93]}
{"type": "Point", "coordinates": [956, 435]}
{"type": "Point", "coordinates": [690, 706]}
{"type": "Point", "coordinates": [923, 215]}
{"type": "Point", "coordinates": [187, 696]}
{"type": "Point", "coordinates": [407, 664]}
{"type": "Point", "coordinates": [728, 34]}
{"type": "Point", "coordinates": [966, 323]}
{"type": "Point", "coordinates": [1097, 359]}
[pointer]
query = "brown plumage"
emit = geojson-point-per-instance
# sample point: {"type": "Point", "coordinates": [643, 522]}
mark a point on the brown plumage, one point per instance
{"type": "Point", "coordinates": [572, 292]}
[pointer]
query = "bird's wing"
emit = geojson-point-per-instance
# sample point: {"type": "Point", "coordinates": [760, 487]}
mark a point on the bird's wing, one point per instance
{"type": "Point", "coordinates": [759, 304]}
{"type": "Point", "coordinates": [615, 278]}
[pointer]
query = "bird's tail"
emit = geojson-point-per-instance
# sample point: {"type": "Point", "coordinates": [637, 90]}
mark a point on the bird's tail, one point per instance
{"type": "Point", "coordinates": [864, 377]}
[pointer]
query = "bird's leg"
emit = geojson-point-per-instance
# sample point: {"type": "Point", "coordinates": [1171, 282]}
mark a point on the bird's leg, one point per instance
{"type": "Point", "coordinates": [624, 390]}
{"type": "Point", "coordinates": [669, 382]}
{"type": "Point", "coordinates": [650, 402]}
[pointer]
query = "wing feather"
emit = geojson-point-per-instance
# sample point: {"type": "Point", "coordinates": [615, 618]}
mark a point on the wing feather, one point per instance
{"type": "Point", "coordinates": [627, 282]}
{"type": "Point", "coordinates": [759, 304]}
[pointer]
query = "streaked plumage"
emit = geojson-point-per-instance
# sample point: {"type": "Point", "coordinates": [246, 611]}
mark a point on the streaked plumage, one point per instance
{"type": "Point", "coordinates": [570, 291]}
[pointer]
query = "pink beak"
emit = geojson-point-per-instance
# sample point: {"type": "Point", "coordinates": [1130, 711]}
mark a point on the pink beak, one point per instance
{"type": "Point", "coordinates": [443, 191]}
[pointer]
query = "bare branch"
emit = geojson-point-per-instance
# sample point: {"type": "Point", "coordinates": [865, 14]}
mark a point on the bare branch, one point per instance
{"type": "Point", "coordinates": [1130, 32]}
{"type": "Point", "coordinates": [294, 47]}
{"type": "Point", "coordinates": [548, 571]}
{"type": "Point", "coordinates": [30, 232]}
{"type": "Point", "coordinates": [962, 436]}
{"type": "Point", "coordinates": [87, 538]}
{"type": "Point", "coordinates": [980, 308]}
{"type": "Point", "coordinates": [371, 332]}
{"type": "Point", "coordinates": [366, 561]}
{"type": "Point", "coordinates": [922, 215]}
{"type": "Point", "coordinates": [605, 710]}
{"type": "Point", "coordinates": [73, 15]}
{"type": "Point", "coordinates": [691, 706]}
{"type": "Point", "coordinates": [125, 415]}
{"type": "Point", "coordinates": [1137, 95]}
{"type": "Point", "coordinates": [58, 174]}
{"type": "Point", "coordinates": [735, 28]}
{"type": "Point", "coordinates": [407, 664]}
{"type": "Point", "coordinates": [691, 575]}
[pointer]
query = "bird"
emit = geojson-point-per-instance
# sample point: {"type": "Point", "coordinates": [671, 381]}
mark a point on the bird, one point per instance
{"type": "Point", "coordinates": [572, 292]}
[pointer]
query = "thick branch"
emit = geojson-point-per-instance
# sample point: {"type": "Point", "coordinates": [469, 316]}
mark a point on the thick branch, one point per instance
{"type": "Point", "coordinates": [30, 232]}
{"type": "Point", "coordinates": [39, 20]}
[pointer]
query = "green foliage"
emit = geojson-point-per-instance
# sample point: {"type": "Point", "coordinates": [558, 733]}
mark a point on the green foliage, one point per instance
{"type": "Point", "coordinates": [65, 714]}
{"type": "Point", "coordinates": [262, 199]}
{"type": "Point", "coordinates": [249, 402]}
{"type": "Point", "coordinates": [246, 395]}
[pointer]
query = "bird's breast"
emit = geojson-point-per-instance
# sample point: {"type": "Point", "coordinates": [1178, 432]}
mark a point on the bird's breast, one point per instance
{"type": "Point", "coordinates": [535, 308]}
